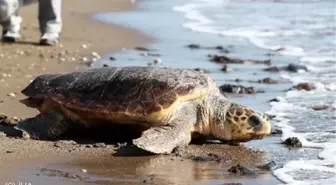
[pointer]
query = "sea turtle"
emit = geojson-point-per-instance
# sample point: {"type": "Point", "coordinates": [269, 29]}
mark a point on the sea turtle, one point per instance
{"type": "Point", "coordinates": [170, 104]}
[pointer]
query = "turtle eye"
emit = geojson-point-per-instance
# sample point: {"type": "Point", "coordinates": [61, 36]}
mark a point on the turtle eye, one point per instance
{"type": "Point", "coordinates": [254, 121]}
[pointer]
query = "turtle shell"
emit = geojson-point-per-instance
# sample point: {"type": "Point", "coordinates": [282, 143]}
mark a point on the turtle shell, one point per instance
{"type": "Point", "coordinates": [122, 94]}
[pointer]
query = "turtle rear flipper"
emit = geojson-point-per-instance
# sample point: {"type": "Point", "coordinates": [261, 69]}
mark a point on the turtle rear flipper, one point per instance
{"type": "Point", "coordinates": [45, 126]}
{"type": "Point", "coordinates": [163, 139]}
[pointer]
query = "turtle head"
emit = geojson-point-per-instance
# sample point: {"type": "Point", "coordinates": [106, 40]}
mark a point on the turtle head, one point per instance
{"type": "Point", "coordinates": [244, 124]}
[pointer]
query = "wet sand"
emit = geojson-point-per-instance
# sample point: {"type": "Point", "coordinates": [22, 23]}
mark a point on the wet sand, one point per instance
{"type": "Point", "coordinates": [61, 162]}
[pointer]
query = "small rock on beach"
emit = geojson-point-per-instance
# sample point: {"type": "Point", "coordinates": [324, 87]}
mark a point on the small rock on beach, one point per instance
{"type": "Point", "coordinates": [222, 59]}
{"type": "Point", "coordinates": [142, 49]}
{"type": "Point", "coordinates": [197, 46]}
{"type": "Point", "coordinates": [293, 142]}
{"type": "Point", "coordinates": [268, 81]}
{"type": "Point", "coordinates": [10, 121]}
{"type": "Point", "coordinates": [290, 68]}
{"type": "Point", "coordinates": [226, 69]}
{"type": "Point", "coordinates": [305, 86]}
{"type": "Point", "coordinates": [239, 89]}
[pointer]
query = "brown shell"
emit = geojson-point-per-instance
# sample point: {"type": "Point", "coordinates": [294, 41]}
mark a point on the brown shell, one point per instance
{"type": "Point", "coordinates": [147, 93]}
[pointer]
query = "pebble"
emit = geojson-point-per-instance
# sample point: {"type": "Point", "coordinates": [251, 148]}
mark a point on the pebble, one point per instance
{"type": "Point", "coordinates": [84, 46]}
{"type": "Point", "coordinates": [11, 94]}
{"type": "Point", "coordinates": [293, 142]}
{"type": "Point", "coordinates": [96, 55]}
{"type": "Point", "coordinates": [226, 69]}
{"type": "Point", "coordinates": [84, 170]}
{"type": "Point", "coordinates": [62, 59]}
{"type": "Point", "coordinates": [157, 61]}
{"type": "Point", "coordinates": [305, 86]}
{"type": "Point", "coordinates": [84, 59]}
{"type": "Point", "coordinates": [112, 58]}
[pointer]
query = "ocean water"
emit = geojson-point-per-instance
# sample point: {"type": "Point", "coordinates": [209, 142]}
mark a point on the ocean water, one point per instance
{"type": "Point", "coordinates": [285, 31]}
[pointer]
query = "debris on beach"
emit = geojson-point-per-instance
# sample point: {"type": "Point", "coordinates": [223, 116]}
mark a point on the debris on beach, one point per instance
{"type": "Point", "coordinates": [293, 142]}
{"type": "Point", "coordinates": [305, 86]}
{"type": "Point", "coordinates": [222, 59]}
{"type": "Point", "coordinates": [239, 89]}
{"type": "Point", "coordinates": [142, 49]}
{"type": "Point", "coordinates": [241, 170]}
{"type": "Point", "coordinates": [320, 107]}
{"type": "Point", "coordinates": [220, 48]}
{"type": "Point", "coordinates": [112, 58]}
{"type": "Point", "coordinates": [290, 68]}
{"type": "Point", "coordinates": [268, 81]}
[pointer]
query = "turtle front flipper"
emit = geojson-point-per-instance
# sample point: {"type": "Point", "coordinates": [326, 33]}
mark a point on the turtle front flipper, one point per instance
{"type": "Point", "coordinates": [45, 126]}
{"type": "Point", "coordinates": [163, 139]}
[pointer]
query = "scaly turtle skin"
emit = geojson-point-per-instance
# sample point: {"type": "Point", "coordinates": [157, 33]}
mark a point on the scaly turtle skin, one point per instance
{"type": "Point", "coordinates": [169, 104]}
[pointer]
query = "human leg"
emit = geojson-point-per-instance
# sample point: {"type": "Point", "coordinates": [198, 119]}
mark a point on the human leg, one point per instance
{"type": "Point", "coordinates": [50, 21]}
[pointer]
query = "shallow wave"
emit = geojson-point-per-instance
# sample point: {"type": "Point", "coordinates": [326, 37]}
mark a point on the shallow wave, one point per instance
{"type": "Point", "coordinates": [199, 22]}
{"type": "Point", "coordinates": [293, 109]}
{"type": "Point", "coordinates": [294, 115]}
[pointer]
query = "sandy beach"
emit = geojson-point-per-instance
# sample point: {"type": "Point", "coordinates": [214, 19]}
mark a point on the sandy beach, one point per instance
{"type": "Point", "coordinates": [32, 161]}
{"type": "Point", "coordinates": [23, 61]}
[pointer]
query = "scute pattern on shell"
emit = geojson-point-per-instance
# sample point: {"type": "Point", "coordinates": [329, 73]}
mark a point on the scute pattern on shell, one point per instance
{"type": "Point", "coordinates": [127, 90]}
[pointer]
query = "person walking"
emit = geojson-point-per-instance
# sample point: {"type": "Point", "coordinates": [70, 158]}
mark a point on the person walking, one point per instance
{"type": "Point", "coordinates": [49, 16]}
